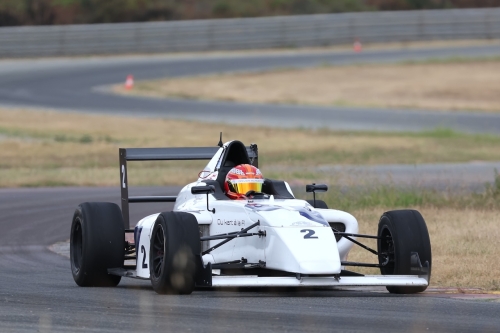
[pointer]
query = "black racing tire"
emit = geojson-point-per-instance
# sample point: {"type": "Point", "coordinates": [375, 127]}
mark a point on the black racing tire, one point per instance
{"type": "Point", "coordinates": [319, 204]}
{"type": "Point", "coordinates": [408, 233]}
{"type": "Point", "coordinates": [97, 242]}
{"type": "Point", "coordinates": [174, 247]}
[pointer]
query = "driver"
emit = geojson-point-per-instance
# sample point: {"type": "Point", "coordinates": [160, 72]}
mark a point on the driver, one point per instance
{"type": "Point", "coordinates": [242, 179]}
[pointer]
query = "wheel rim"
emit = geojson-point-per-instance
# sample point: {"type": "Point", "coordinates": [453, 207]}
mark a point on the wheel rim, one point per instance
{"type": "Point", "coordinates": [77, 247]}
{"type": "Point", "coordinates": [158, 252]}
{"type": "Point", "coordinates": [387, 251]}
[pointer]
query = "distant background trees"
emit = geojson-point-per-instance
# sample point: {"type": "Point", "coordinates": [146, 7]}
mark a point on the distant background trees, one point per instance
{"type": "Point", "coordinates": [46, 12]}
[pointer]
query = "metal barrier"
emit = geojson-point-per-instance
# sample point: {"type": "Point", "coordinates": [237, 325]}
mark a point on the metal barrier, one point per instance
{"type": "Point", "coordinates": [249, 33]}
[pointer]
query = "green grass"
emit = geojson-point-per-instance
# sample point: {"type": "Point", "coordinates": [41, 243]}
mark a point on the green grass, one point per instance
{"type": "Point", "coordinates": [392, 197]}
{"type": "Point", "coordinates": [448, 146]}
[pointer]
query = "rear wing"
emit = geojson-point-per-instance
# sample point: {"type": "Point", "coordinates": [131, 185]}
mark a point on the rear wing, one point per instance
{"type": "Point", "coordinates": [163, 154]}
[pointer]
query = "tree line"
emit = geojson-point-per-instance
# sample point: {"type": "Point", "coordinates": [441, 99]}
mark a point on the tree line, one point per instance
{"type": "Point", "coordinates": [48, 12]}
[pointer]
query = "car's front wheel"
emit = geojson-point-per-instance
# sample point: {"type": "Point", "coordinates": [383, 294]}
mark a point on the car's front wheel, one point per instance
{"type": "Point", "coordinates": [174, 247]}
{"type": "Point", "coordinates": [401, 233]}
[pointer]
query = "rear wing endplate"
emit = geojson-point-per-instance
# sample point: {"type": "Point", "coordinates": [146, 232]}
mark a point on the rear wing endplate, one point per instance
{"type": "Point", "coordinates": [163, 154]}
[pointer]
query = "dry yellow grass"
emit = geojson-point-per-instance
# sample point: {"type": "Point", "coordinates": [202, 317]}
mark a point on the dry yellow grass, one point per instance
{"type": "Point", "coordinates": [49, 148]}
{"type": "Point", "coordinates": [464, 245]}
{"type": "Point", "coordinates": [449, 85]}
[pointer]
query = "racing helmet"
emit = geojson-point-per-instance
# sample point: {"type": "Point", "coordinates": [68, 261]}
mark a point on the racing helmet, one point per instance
{"type": "Point", "coordinates": [241, 179]}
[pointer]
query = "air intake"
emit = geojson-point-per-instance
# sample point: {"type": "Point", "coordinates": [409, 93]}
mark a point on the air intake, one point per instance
{"type": "Point", "coordinates": [338, 226]}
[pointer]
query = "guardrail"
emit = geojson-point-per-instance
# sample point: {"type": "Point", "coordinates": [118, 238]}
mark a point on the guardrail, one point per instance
{"type": "Point", "coordinates": [249, 33]}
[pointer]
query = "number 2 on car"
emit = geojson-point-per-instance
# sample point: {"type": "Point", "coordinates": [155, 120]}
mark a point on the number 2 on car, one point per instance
{"type": "Point", "coordinates": [309, 234]}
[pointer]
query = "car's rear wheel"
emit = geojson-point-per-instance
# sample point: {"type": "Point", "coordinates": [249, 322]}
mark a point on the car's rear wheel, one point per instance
{"type": "Point", "coordinates": [175, 245]}
{"type": "Point", "coordinates": [97, 242]}
{"type": "Point", "coordinates": [402, 232]}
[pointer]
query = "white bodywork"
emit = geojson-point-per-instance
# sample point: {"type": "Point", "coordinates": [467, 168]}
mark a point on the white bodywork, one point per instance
{"type": "Point", "coordinates": [298, 238]}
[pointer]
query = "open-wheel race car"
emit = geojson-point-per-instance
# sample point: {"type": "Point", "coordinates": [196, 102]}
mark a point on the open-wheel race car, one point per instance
{"type": "Point", "coordinates": [262, 237]}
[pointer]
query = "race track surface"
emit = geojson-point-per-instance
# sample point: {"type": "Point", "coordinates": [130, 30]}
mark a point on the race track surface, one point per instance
{"type": "Point", "coordinates": [38, 293]}
{"type": "Point", "coordinates": [78, 84]}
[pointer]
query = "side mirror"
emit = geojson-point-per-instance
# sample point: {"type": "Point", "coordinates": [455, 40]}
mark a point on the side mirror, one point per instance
{"type": "Point", "coordinates": [207, 189]}
{"type": "Point", "coordinates": [316, 188]}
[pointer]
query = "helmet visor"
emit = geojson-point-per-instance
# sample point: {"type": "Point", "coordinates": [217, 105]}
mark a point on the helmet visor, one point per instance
{"type": "Point", "coordinates": [242, 186]}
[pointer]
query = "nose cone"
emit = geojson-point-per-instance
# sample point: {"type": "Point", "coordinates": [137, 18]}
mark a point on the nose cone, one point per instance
{"type": "Point", "coordinates": [310, 250]}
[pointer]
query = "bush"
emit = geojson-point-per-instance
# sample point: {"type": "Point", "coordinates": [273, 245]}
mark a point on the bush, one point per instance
{"type": "Point", "coordinates": [43, 12]}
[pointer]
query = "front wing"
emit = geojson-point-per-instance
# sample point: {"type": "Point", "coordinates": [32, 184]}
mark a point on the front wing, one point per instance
{"type": "Point", "coordinates": [306, 281]}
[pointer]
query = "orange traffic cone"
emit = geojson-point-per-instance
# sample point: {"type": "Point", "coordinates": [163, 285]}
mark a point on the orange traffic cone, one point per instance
{"type": "Point", "coordinates": [357, 46]}
{"type": "Point", "coordinates": [129, 82]}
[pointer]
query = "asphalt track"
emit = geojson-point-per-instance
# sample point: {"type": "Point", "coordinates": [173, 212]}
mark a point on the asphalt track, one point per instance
{"type": "Point", "coordinates": [37, 292]}
{"type": "Point", "coordinates": [77, 84]}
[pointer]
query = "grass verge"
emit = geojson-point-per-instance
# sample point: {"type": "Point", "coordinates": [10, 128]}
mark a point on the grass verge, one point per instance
{"type": "Point", "coordinates": [436, 84]}
{"type": "Point", "coordinates": [50, 148]}
{"type": "Point", "coordinates": [383, 195]}
{"type": "Point", "coordinates": [463, 244]}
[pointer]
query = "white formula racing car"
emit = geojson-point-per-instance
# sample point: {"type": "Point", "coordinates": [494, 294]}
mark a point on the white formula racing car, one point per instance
{"type": "Point", "coordinates": [267, 239]}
